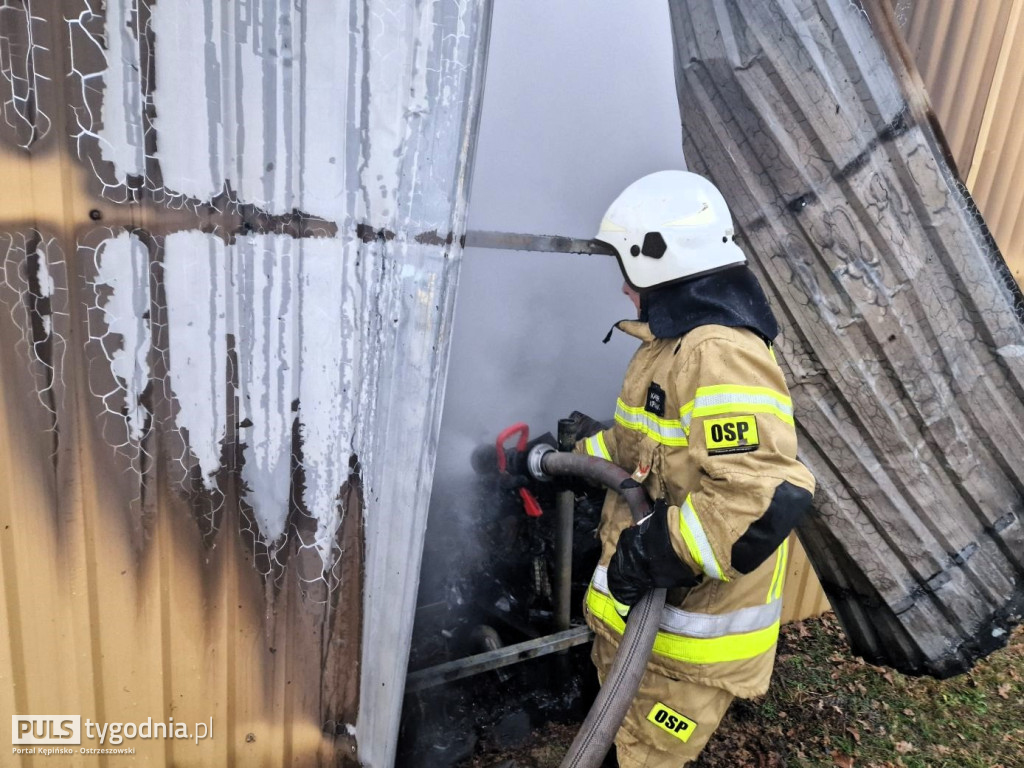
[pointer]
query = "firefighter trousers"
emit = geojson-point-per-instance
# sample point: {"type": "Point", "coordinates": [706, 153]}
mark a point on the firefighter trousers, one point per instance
{"type": "Point", "coordinates": [669, 721]}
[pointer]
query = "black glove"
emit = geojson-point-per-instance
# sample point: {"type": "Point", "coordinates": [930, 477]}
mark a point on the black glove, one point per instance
{"type": "Point", "coordinates": [644, 560]}
{"type": "Point", "coordinates": [584, 426]}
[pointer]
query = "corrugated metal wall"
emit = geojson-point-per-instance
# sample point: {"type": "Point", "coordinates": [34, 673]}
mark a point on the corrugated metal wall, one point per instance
{"type": "Point", "coordinates": [229, 242]}
{"type": "Point", "coordinates": [120, 599]}
{"type": "Point", "coordinates": [971, 57]}
{"type": "Point", "coordinates": [901, 335]}
{"type": "Point", "coordinates": [804, 597]}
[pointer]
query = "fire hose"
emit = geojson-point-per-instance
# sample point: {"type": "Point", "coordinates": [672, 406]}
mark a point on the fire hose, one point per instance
{"type": "Point", "coordinates": [597, 733]}
{"type": "Point", "coordinates": [544, 462]}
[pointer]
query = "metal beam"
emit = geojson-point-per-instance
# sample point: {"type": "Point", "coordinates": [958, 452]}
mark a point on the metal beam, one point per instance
{"type": "Point", "coordinates": [491, 660]}
{"type": "Point", "coordinates": [512, 241]}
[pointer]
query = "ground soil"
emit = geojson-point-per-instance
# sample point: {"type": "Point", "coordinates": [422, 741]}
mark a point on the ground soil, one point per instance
{"type": "Point", "coordinates": [829, 708]}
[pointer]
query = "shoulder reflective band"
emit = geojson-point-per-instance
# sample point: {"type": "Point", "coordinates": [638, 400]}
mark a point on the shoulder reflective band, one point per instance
{"type": "Point", "coordinates": [671, 721]}
{"type": "Point", "coordinates": [732, 398]}
{"type": "Point", "coordinates": [779, 577]}
{"type": "Point", "coordinates": [596, 446]}
{"type": "Point", "coordinates": [664, 431]}
{"type": "Point", "coordinates": [697, 638]}
{"type": "Point", "coordinates": [697, 542]}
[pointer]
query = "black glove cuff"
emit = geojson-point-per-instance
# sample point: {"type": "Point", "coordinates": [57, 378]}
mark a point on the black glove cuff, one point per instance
{"type": "Point", "coordinates": [584, 426]}
{"type": "Point", "coordinates": [664, 565]}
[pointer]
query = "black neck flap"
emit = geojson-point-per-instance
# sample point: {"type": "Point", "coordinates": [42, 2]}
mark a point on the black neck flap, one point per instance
{"type": "Point", "coordinates": [732, 297]}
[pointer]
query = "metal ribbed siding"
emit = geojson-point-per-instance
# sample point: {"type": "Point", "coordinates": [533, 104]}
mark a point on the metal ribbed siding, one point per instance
{"type": "Point", "coordinates": [971, 58]}
{"type": "Point", "coordinates": [140, 578]}
{"type": "Point", "coordinates": [955, 46]}
{"type": "Point", "coordinates": [803, 597]}
{"type": "Point", "coordinates": [865, 243]}
{"type": "Point", "coordinates": [997, 172]}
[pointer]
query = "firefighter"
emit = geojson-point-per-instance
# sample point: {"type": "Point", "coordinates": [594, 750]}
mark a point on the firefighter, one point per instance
{"type": "Point", "coordinates": [705, 422]}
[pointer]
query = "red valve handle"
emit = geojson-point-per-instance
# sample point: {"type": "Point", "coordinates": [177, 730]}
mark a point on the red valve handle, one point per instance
{"type": "Point", "coordinates": [530, 504]}
{"type": "Point", "coordinates": [524, 435]}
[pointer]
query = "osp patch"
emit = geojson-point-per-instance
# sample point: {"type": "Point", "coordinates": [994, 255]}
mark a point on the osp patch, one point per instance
{"type": "Point", "coordinates": [731, 434]}
{"type": "Point", "coordinates": [672, 722]}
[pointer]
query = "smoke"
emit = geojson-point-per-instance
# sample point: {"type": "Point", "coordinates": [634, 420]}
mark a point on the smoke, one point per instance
{"type": "Point", "coordinates": [580, 100]}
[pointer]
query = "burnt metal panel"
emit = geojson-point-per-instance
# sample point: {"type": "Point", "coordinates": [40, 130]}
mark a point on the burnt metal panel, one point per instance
{"type": "Point", "coordinates": [230, 236]}
{"type": "Point", "coordinates": [903, 335]}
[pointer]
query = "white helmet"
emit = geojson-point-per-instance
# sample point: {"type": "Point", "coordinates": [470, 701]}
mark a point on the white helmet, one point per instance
{"type": "Point", "coordinates": [669, 226]}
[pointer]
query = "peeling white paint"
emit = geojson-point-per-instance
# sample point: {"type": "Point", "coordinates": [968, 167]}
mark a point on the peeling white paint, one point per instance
{"type": "Point", "coordinates": [122, 266]}
{"type": "Point", "coordinates": [419, 95]}
{"type": "Point", "coordinates": [390, 26]}
{"type": "Point", "coordinates": [33, 287]}
{"type": "Point", "coordinates": [294, 313]}
{"type": "Point", "coordinates": [265, 277]}
{"type": "Point", "coordinates": [186, 150]}
{"type": "Point", "coordinates": [328, 386]}
{"type": "Point", "coordinates": [195, 278]}
{"type": "Point", "coordinates": [46, 289]}
{"type": "Point", "coordinates": [251, 96]}
{"type": "Point", "coordinates": [325, 122]}
{"type": "Point", "coordinates": [121, 134]}
{"type": "Point", "coordinates": [43, 276]}
{"type": "Point", "coordinates": [359, 114]}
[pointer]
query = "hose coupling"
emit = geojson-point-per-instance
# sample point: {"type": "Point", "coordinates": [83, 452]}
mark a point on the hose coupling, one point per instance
{"type": "Point", "coordinates": [535, 460]}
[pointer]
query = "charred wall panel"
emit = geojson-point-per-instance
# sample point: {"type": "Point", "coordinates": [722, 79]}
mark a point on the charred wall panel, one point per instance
{"type": "Point", "coordinates": [229, 241]}
{"type": "Point", "coordinates": [904, 338]}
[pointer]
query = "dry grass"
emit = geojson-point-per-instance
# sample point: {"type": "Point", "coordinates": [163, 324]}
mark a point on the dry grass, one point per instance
{"type": "Point", "coordinates": [827, 708]}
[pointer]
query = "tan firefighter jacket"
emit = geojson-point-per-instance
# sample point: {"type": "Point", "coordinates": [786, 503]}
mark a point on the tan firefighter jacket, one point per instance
{"type": "Point", "coordinates": [706, 422]}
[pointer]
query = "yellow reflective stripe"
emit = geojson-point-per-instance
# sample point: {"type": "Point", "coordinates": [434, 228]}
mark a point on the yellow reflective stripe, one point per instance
{"type": "Point", "coordinates": [694, 624]}
{"type": "Point", "coordinates": [739, 389]}
{"type": "Point", "coordinates": [693, 650]}
{"type": "Point", "coordinates": [730, 398]}
{"type": "Point", "coordinates": [775, 575]}
{"type": "Point", "coordinates": [782, 571]}
{"type": "Point", "coordinates": [637, 410]}
{"type": "Point", "coordinates": [596, 446]}
{"type": "Point", "coordinates": [699, 650]}
{"type": "Point", "coordinates": [620, 608]}
{"type": "Point", "coordinates": [778, 576]}
{"type": "Point", "coordinates": [686, 416]}
{"type": "Point", "coordinates": [771, 351]}
{"type": "Point", "coordinates": [603, 607]}
{"type": "Point", "coordinates": [697, 542]}
{"type": "Point", "coordinates": [745, 407]}
{"type": "Point", "coordinates": [664, 431]}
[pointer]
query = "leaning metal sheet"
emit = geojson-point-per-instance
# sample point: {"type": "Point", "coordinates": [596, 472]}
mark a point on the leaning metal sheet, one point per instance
{"type": "Point", "coordinates": [903, 329]}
